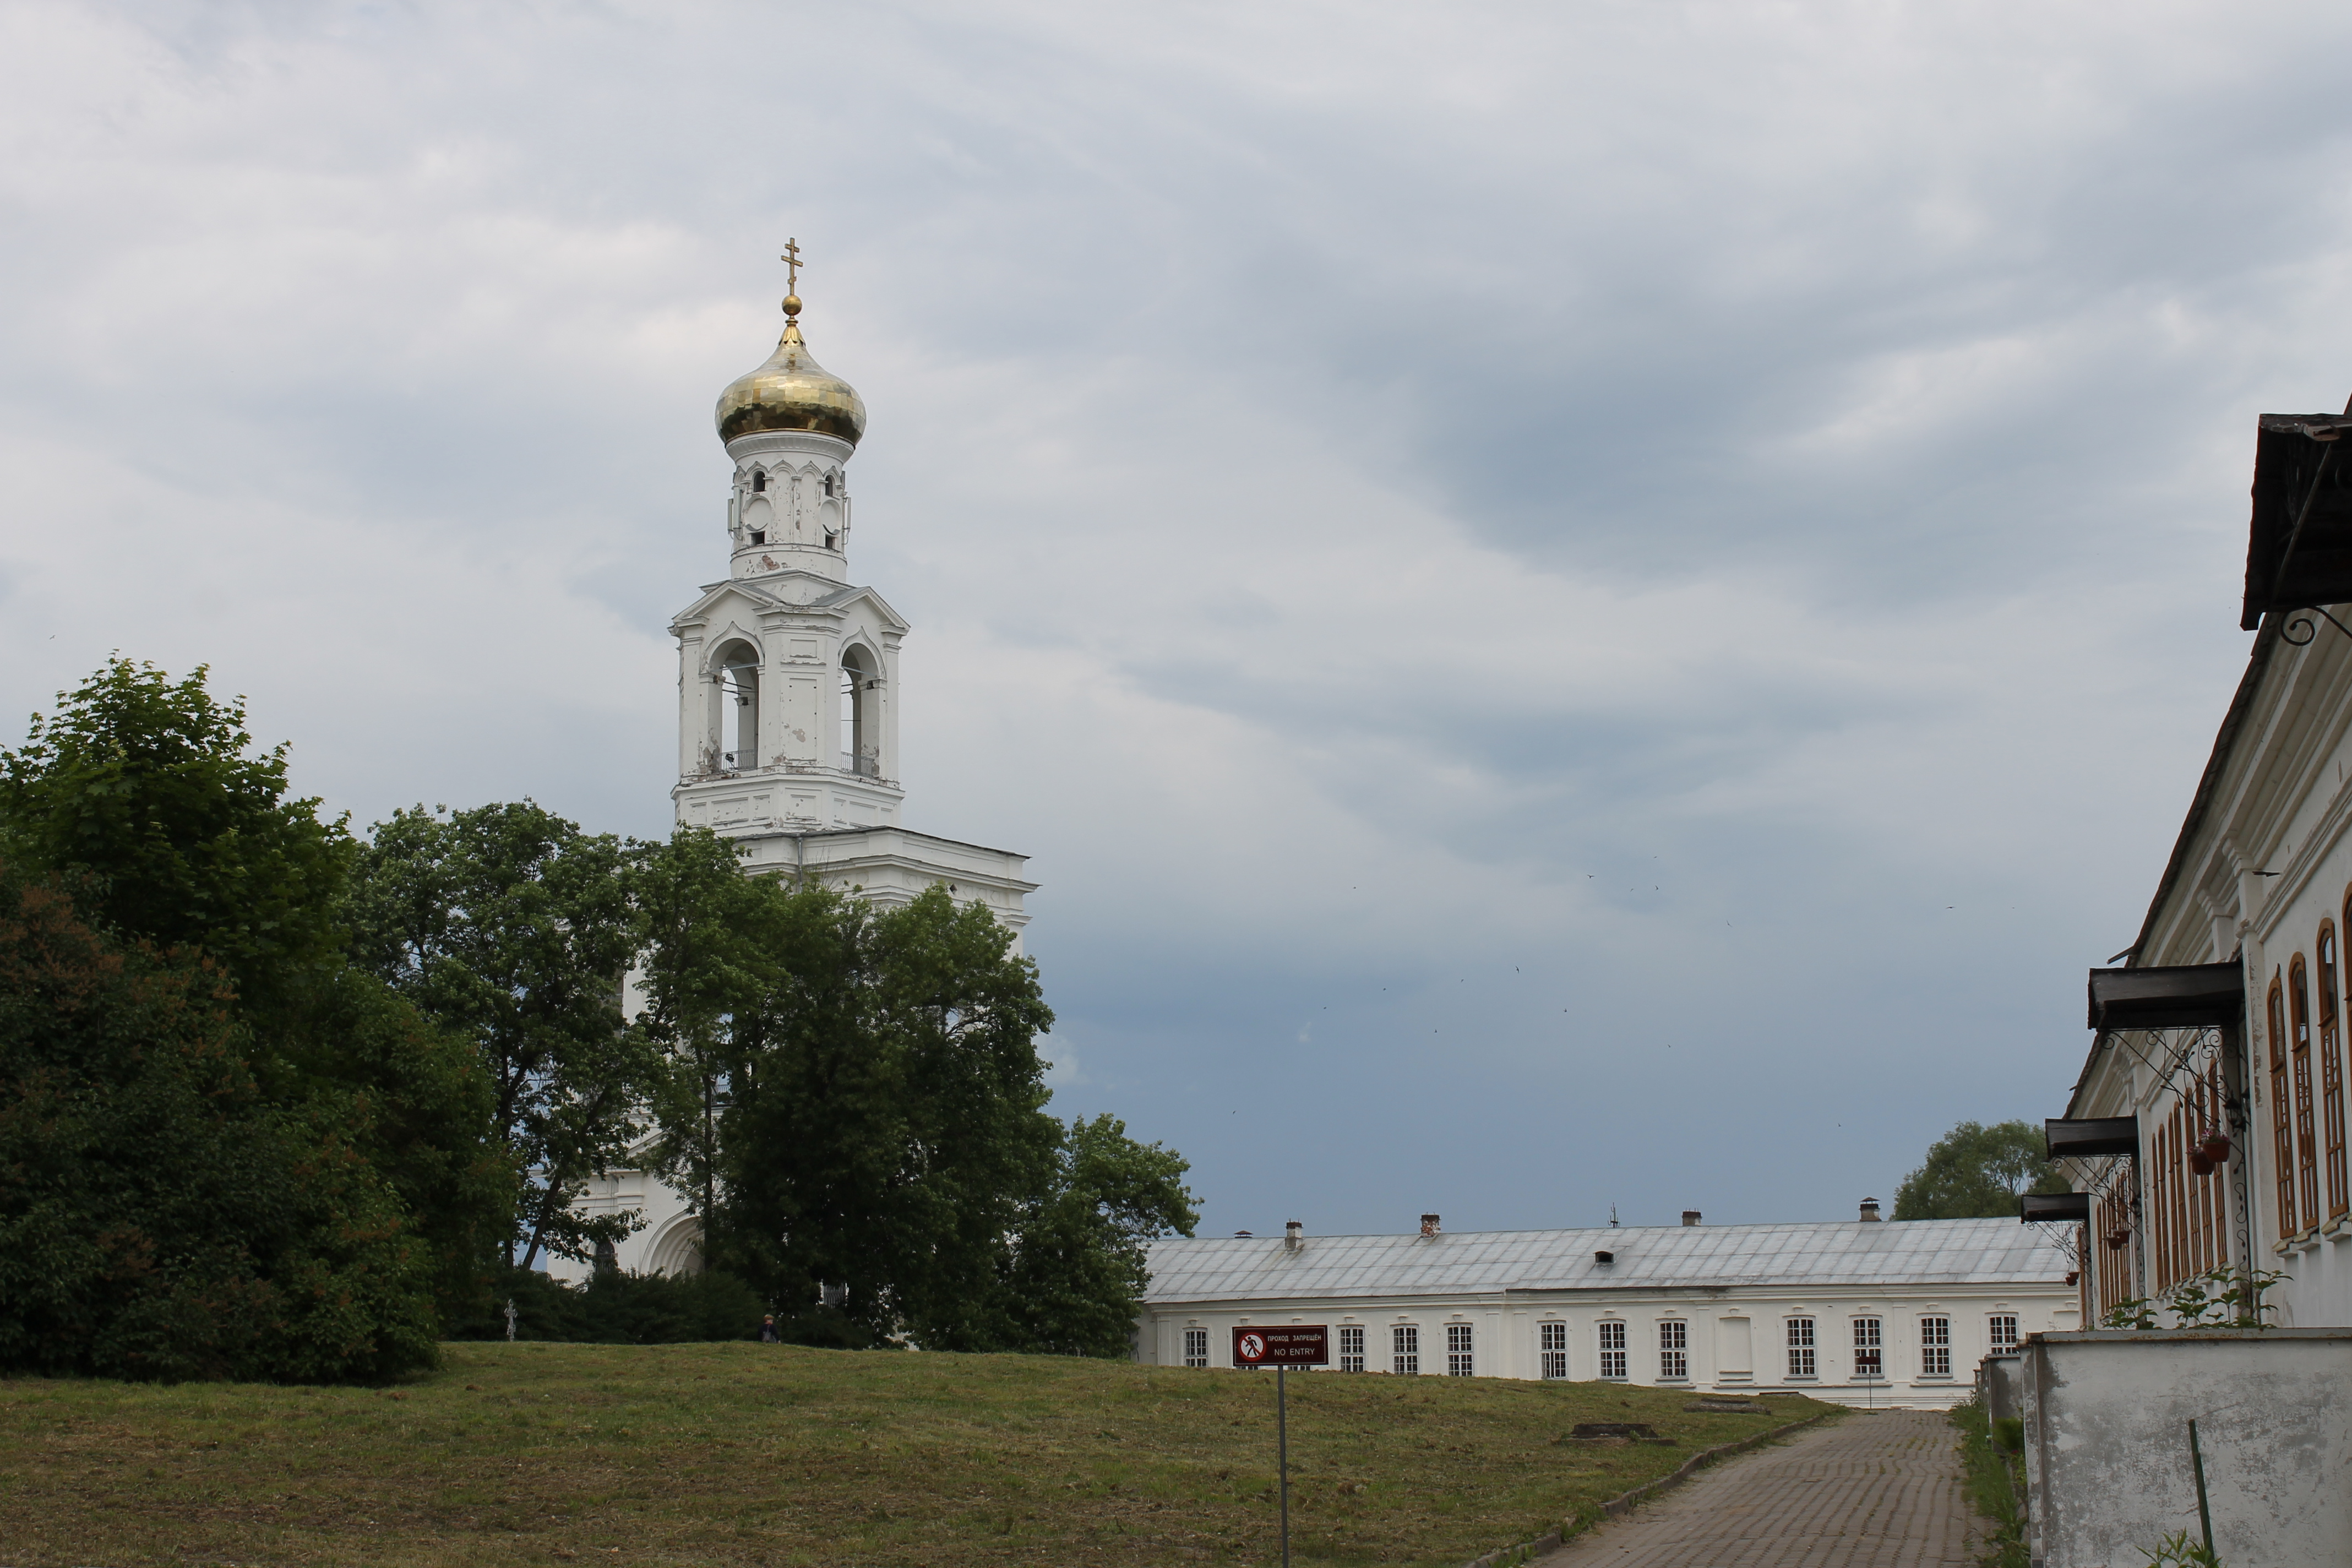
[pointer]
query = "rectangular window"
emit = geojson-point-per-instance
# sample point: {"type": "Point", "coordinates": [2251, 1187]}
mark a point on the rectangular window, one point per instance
{"type": "Point", "coordinates": [1800, 1347]}
{"type": "Point", "coordinates": [1551, 1339]}
{"type": "Point", "coordinates": [2000, 1331]}
{"type": "Point", "coordinates": [1351, 1349]}
{"type": "Point", "coordinates": [2331, 1078]}
{"type": "Point", "coordinates": [1934, 1347]}
{"type": "Point", "coordinates": [1674, 1349]}
{"type": "Point", "coordinates": [1612, 1349]}
{"type": "Point", "coordinates": [1404, 1341]}
{"type": "Point", "coordinates": [1458, 1362]}
{"type": "Point", "coordinates": [2281, 1114]}
{"type": "Point", "coordinates": [1868, 1348]}
{"type": "Point", "coordinates": [1196, 1347]}
{"type": "Point", "coordinates": [2306, 1138]}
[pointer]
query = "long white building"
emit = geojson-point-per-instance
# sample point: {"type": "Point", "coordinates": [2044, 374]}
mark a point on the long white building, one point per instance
{"type": "Point", "coordinates": [1861, 1312]}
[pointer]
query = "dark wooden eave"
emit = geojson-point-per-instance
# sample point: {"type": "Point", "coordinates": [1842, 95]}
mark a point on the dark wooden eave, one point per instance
{"type": "Point", "coordinates": [2171, 996]}
{"type": "Point", "coordinates": [2299, 477]}
{"type": "Point", "coordinates": [2093, 1138]}
{"type": "Point", "coordinates": [2058, 1207]}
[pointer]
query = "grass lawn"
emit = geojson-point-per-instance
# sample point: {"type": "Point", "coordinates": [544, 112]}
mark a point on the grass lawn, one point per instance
{"type": "Point", "coordinates": [745, 1454]}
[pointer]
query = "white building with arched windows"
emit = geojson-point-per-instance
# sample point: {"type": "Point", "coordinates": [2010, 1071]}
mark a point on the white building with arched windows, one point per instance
{"type": "Point", "coordinates": [1861, 1312]}
{"type": "Point", "coordinates": [788, 681]}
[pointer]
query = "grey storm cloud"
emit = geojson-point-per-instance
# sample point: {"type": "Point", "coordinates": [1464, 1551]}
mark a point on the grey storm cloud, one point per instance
{"type": "Point", "coordinates": [1570, 600]}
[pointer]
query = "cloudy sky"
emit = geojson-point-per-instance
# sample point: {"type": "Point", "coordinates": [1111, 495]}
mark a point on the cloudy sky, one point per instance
{"type": "Point", "coordinates": [1578, 605]}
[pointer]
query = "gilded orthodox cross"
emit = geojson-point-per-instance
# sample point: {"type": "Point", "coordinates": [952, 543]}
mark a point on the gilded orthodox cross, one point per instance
{"type": "Point", "coordinates": [792, 260]}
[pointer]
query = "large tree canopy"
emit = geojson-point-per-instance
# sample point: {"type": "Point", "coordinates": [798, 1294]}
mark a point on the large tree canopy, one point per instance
{"type": "Point", "coordinates": [856, 1105]}
{"type": "Point", "coordinates": [273, 1103]}
{"type": "Point", "coordinates": [1974, 1171]}
{"type": "Point", "coordinates": [147, 791]}
{"type": "Point", "coordinates": [159, 1215]}
{"type": "Point", "coordinates": [512, 927]}
{"type": "Point", "coordinates": [226, 1151]}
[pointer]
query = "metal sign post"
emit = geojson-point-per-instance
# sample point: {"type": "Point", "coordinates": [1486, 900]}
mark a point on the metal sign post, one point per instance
{"type": "Point", "coordinates": [1295, 1344]}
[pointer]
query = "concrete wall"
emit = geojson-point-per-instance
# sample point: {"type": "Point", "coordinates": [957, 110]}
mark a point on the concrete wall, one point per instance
{"type": "Point", "coordinates": [2107, 1444]}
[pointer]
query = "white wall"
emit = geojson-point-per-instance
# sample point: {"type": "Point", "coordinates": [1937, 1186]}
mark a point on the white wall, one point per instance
{"type": "Point", "coordinates": [1506, 1333]}
{"type": "Point", "coordinates": [2107, 1445]}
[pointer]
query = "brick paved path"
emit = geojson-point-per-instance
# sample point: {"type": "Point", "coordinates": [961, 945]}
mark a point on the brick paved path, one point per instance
{"type": "Point", "coordinates": [1868, 1492]}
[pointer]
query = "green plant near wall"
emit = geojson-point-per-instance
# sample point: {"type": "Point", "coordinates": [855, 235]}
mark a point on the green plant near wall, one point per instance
{"type": "Point", "coordinates": [2221, 1298]}
{"type": "Point", "coordinates": [2177, 1551]}
{"type": "Point", "coordinates": [1993, 1475]}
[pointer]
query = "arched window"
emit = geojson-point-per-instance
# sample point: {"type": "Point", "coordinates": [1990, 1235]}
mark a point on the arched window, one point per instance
{"type": "Point", "coordinates": [736, 731]}
{"type": "Point", "coordinates": [828, 484]}
{"type": "Point", "coordinates": [759, 481]}
{"type": "Point", "coordinates": [2331, 1077]}
{"type": "Point", "coordinates": [2281, 1110]}
{"type": "Point", "coordinates": [2306, 1141]}
{"type": "Point", "coordinates": [861, 738]}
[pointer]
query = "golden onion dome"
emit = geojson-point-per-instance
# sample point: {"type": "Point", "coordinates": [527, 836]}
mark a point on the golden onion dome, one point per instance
{"type": "Point", "coordinates": [792, 392]}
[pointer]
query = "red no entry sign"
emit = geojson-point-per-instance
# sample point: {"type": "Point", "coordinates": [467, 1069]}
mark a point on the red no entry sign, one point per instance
{"type": "Point", "coordinates": [1298, 1344]}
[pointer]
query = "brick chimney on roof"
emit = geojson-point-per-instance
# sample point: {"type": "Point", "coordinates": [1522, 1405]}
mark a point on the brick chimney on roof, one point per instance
{"type": "Point", "coordinates": [1690, 1216]}
{"type": "Point", "coordinates": [1870, 1208]}
{"type": "Point", "coordinates": [1429, 1225]}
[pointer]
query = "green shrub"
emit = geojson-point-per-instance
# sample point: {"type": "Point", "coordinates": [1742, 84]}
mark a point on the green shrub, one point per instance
{"type": "Point", "coordinates": [618, 1308]}
{"type": "Point", "coordinates": [1994, 1479]}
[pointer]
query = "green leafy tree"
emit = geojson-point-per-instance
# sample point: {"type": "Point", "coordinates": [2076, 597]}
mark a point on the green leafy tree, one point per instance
{"type": "Point", "coordinates": [143, 803]}
{"type": "Point", "coordinates": [508, 926]}
{"type": "Point", "coordinates": [148, 794]}
{"type": "Point", "coordinates": [160, 1216]}
{"type": "Point", "coordinates": [1073, 1275]}
{"type": "Point", "coordinates": [708, 961]}
{"type": "Point", "coordinates": [1974, 1171]}
{"type": "Point", "coordinates": [854, 1103]}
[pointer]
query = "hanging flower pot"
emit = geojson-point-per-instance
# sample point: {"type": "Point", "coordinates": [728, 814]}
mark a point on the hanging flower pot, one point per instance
{"type": "Point", "coordinates": [2199, 1162]}
{"type": "Point", "coordinates": [2215, 1146]}
{"type": "Point", "coordinates": [2118, 1239]}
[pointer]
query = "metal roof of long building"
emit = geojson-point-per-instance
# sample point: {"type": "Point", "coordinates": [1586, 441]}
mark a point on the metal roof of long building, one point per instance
{"type": "Point", "coordinates": [1844, 1252]}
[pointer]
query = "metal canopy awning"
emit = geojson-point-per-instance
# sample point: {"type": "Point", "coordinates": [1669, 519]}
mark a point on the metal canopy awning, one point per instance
{"type": "Point", "coordinates": [2175, 996]}
{"type": "Point", "coordinates": [2299, 482]}
{"type": "Point", "coordinates": [2055, 1208]}
{"type": "Point", "coordinates": [2093, 1137]}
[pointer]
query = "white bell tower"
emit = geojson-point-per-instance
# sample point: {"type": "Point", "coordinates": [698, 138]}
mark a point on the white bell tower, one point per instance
{"type": "Point", "coordinates": [788, 673]}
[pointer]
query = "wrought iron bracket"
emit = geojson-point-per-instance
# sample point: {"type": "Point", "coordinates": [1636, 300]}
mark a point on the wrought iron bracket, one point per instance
{"type": "Point", "coordinates": [2302, 618]}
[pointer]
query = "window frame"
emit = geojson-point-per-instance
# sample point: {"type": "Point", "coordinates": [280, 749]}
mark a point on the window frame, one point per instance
{"type": "Point", "coordinates": [1404, 1349]}
{"type": "Point", "coordinates": [1801, 1336]}
{"type": "Point", "coordinates": [1869, 1350]}
{"type": "Point", "coordinates": [2331, 1073]}
{"type": "Point", "coordinates": [2306, 1141]}
{"type": "Point", "coordinates": [1351, 1347]}
{"type": "Point", "coordinates": [1935, 1346]}
{"type": "Point", "coordinates": [1461, 1350]}
{"type": "Point", "coordinates": [1998, 1340]}
{"type": "Point", "coordinates": [1551, 1348]}
{"type": "Point", "coordinates": [1196, 1348]}
{"type": "Point", "coordinates": [1674, 1349]}
{"type": "Point", "coordinates": [2281, 1108]}
{"type": "Point", "coordinates": [1616, 1365]}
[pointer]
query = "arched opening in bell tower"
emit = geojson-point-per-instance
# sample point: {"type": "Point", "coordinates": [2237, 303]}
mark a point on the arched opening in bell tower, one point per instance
{"type": "Point", "coordinates": [738, 708]}
{"type": "Point", "coordinates": [861, 734]}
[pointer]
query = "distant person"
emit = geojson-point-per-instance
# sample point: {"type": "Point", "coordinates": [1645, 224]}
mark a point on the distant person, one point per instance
{"type": "Point", "coordinates": [768, 1335]}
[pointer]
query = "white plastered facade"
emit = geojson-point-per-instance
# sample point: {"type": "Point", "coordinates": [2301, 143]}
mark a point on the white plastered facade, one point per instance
{"type": "Point", "coordinates": [1708, 1308]}
{"type": "Point", "coordinates": [2263, 869]}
